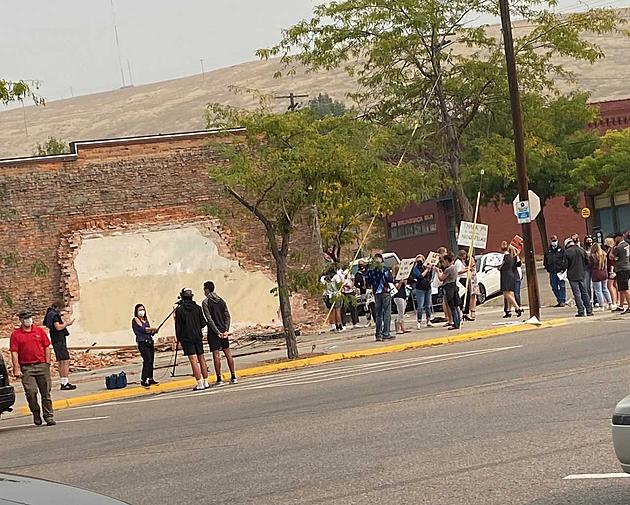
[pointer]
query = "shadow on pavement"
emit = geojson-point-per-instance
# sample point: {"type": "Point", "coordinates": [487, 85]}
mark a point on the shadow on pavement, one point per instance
{"type": "Point", "coordinates": [605, 492]}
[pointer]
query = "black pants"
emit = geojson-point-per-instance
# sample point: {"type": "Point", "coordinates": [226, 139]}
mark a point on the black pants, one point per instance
{"type": "Point", "coordinates": [147, 351]}
{"type": "Point", "coordinates": [350, 305]}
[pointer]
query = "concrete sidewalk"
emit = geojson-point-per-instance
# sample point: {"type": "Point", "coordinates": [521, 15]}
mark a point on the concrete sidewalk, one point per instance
{"type": "Point", "coordinates": [268, 357]}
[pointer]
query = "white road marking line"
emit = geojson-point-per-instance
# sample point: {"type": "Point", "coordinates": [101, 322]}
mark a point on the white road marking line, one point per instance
{"type": "Point", "coordinates": [360, 373]}
{"type": "Point", "coordinates": [99, 418]}
{"type": "Point", "coordinates": [306, 377]}
{"type": "Point", "coordinates": [586, 476]}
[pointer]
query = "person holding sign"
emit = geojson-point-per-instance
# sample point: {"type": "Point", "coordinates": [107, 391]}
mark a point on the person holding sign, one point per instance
{"type": "Point", "coordinates": [508, 279]}
{"type": "Point", "coordinates": [449, 277]}
{"type": "Point", "coordinates": [400, 300]}
{"type": "Point", "coordinates": [420, 278]}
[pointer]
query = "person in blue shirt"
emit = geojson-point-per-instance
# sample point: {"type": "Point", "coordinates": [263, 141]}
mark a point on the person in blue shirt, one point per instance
{"type": "Point", "coordinates": [379, 279]}
{"type": "Point", "coordinates": [144, 338]}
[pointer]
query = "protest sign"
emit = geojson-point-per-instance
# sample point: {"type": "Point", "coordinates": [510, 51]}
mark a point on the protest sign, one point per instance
{"type": "Point", "coordinates": [466, 232]}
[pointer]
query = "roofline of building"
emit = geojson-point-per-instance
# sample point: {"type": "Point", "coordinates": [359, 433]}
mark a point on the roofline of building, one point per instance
{"type": "Point", "coordinates": [118, 141]}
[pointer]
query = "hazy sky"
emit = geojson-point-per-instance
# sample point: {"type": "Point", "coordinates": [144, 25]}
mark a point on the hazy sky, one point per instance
{"type": "Point", "coordinates": [69, 44]}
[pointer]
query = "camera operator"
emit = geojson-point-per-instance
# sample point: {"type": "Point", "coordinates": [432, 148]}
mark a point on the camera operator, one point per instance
{"type": "Point", "coordinates": [189, 323]}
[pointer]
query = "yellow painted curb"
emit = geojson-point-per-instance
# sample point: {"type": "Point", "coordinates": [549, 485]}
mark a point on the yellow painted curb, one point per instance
{"type": "Point", "coordinates": [131, 392]}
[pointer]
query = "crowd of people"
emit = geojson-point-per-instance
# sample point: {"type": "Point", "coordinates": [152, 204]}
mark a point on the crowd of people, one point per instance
{"type": "Point", "coordinates": [597, 274]}
{"type": "Point", "coordinates": [376, 287]}
{"type": "Point", "coordinates": [30, 347]}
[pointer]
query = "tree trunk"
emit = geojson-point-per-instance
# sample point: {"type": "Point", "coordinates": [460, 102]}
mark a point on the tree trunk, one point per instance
{"type": "Point", "coordinates": [317, 230]}
{"type": "Point", "coordinates": [541, 222]}
{"type": "Point", "coordinates": [285, 306]}
{"type": "Point", "coordinates": [463, 208]}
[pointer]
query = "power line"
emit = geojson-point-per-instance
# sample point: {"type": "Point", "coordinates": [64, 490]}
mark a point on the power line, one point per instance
{"type": "Point", "coordinates": [122, 74]}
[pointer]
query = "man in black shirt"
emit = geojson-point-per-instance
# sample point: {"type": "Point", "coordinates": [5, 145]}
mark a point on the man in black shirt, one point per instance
{"type": "Point", "coordinates": [189, 323]}
{"type": "Point", "coordinates": [58, 336]}
{"type": "Point", "coordinates": [218, 317]}
{"type": "Point", "coordinates": [554, 264]}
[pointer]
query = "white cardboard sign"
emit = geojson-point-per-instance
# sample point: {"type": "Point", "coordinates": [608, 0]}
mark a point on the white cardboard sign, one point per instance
{"type": "Point", "coordinates": [466, 232]}
{"type": "Point", "coordinates": [432, 259]}
{"type": "Point", "coordinates": [404, 269]}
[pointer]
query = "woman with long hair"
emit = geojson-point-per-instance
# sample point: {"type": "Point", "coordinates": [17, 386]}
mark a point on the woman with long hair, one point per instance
{"type": "Point", "coordinates": [508, 280]}
{"type": "Point", "coordinates": [598, 263]}
{"type": "Point", "coordinates": [144, 338]}
{"type": "Point", "coordinates": [421, 277]}
{"type": "Point", "coordinates": [609, 245]}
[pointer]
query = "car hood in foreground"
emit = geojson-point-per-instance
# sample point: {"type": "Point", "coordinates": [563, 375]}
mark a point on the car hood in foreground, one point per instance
{"type": "Point", "coordinates": [18, 490]}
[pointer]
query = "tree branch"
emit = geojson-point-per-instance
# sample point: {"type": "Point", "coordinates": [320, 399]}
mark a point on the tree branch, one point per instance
{"type": "Point", "coordinates": [474, 110]}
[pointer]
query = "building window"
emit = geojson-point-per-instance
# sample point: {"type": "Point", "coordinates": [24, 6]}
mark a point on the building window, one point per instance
{"type": "Point", "coordinates": [412, 227]}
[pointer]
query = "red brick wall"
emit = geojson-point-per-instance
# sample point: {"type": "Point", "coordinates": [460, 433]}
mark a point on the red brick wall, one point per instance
{"type": "Point", "coordinates": [561, 221]}
{"type": "Point", "coordinates": [613, 115]}
{"type": "Point", "coordinates": [106, 184]}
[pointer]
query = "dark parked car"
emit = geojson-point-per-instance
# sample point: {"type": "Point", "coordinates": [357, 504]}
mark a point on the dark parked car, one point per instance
{"type": "Point", "coordinates": [7, 393]}
{"type": "Point", "coordinates": [15, 489]}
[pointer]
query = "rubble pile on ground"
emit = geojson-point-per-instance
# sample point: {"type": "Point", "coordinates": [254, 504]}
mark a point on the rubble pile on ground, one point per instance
{"type": "Point", "coordinates": [84, 361]}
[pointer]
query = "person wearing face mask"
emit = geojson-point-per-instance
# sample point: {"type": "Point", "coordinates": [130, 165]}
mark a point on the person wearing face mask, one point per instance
{"type": "Point", "coordinates": [379, 279]}
{"type": "Point", "coordinates": [366, 295]}
{"type": "Point", "coordinates": [30, 353]}
{"type": "Point", "coordinates": [144, 338]}
{"type": "Point", "coordinates": [420, 278]}
{"type": "Point", "coordinates": [554, 264]}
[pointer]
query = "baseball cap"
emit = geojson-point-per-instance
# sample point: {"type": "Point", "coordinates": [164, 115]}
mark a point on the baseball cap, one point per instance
{"type": "Point", "coordinates": [187, 292]}
{"type": "Point", "coordinates": [25, 314]}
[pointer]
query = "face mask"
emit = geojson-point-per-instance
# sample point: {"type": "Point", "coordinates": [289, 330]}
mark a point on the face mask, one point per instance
{"type": "Point", "coordinates": [554, 243]}
{"type": "Point", "coordinates": [28, 322]}
{"type": "Point", "coordinates": [141, 313]}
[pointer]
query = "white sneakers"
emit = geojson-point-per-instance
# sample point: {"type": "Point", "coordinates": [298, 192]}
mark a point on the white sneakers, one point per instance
{"type": "Point", "coordinates": [429, 325]}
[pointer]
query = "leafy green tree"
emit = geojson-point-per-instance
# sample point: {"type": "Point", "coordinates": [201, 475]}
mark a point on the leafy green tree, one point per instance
{"type": "Point", "coordinates": [52, 145]}
{"type": "Point", "coordinates": [284, 165]}
{"type": "Point", "coordinates": [419, 61]}
{"type": "Point", "coordinates": [608, 168]}
{"type": "Point", "coordinates": [323, 105]}
{"type": "Point", "coordinates": [11, 91]}
{"type": "Point", "coordinates": [556, 137]}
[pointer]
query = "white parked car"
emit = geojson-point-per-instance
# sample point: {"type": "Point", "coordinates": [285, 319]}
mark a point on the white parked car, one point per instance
{"type": "Point", "coordinates": [488, 275]}
{"type": "Point", "coordinates": [621, 433]}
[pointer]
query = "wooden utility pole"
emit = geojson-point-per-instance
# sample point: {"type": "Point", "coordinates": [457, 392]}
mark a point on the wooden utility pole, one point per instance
{"type": "Point", "coordinates": [291, 96]}
{"type": "Point", "coordinates": [521, 164]}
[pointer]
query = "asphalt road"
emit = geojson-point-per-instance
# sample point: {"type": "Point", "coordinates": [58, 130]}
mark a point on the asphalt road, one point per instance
{"type": "Point", "coordinates": [498, 421]}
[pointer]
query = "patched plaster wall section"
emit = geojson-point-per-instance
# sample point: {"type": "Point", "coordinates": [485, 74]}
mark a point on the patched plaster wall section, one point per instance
{"type": "Point", "coordinates": [119, 270]}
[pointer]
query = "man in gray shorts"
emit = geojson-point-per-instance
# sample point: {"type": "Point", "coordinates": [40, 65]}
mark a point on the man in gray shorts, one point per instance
{"type": "Point", "coordinates": [621, 252]}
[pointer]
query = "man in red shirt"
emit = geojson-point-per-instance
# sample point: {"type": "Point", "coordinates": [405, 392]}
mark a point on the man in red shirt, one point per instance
{"type": "Point", "coordinates": [30, 353]}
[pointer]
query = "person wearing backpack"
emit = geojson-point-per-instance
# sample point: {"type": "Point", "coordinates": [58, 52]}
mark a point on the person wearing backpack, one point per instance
{"type": "Point", "coordinates": [58, 330]}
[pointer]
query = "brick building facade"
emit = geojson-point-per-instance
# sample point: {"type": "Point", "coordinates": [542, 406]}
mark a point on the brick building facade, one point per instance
{"type": "Point", "coordinates": [45, 202]}
{"type": "Point", "coordinates": [407, 237]}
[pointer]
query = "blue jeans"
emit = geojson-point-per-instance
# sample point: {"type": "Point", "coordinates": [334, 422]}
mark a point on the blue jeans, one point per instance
{"type": "Point", "coordinates": [423, 302]}
{"type": "Point", "coordinates": [558, 288]}
{"type": "Point", "coordinates": [582, 297]}
{"type": "Point", "coordinates": [601, 293]}
{"type": "Point", "coordinates": [383, 309]}
{"type": "Point", "coordinates": [517, 291]}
